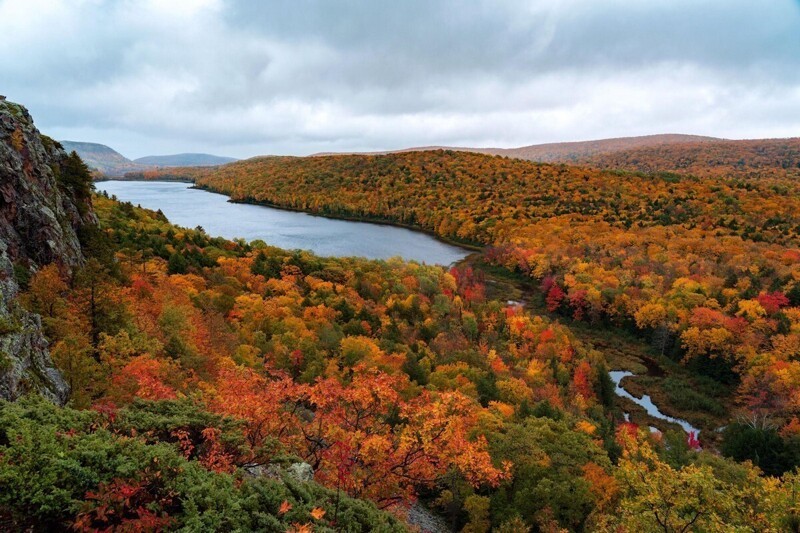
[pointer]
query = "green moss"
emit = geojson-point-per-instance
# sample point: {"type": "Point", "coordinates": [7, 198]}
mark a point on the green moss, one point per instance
{"type": "Point", "coordinates": [8, 325]}
{"type": "Point", "coordinates": [22, 275]}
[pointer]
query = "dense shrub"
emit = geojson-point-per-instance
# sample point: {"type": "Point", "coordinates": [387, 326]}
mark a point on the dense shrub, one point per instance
{"type": "Point", "coordinates": [60, 467]}
{"type": "Point", "coordinates": [766, 448]}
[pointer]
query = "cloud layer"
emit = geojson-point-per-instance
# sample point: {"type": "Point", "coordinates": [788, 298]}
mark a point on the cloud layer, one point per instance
{"type": "Point", "coordinates": [243, 78]}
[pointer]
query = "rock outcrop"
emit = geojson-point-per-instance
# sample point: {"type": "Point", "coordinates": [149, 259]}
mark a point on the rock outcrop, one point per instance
{"type": "Point", "coordinates": [42, 208]}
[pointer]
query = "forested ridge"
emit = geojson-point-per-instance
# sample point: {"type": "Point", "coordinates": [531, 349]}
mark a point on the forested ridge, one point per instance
{"type": "Point", "coordinates": [485, 198]}
{"type": "Point", "coordinates": [745, 158]}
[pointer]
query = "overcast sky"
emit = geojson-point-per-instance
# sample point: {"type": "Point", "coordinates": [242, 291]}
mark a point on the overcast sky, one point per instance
{"type": "Point", "coordinates": [243, 78]}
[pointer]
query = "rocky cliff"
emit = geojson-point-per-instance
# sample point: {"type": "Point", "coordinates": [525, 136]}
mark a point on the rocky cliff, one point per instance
{"type": "Point", "coordinates": [43, 204]}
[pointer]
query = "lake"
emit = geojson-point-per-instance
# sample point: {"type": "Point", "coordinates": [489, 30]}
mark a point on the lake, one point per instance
{"type": "Point", "coordinates": [290, 230]}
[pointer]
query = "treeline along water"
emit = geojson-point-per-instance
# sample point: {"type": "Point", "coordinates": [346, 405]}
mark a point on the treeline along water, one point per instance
{"type": "Point", "coordinates": [291, 230]}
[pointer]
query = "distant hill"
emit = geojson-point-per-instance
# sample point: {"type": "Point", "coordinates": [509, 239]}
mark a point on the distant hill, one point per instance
{"type": "Point", "coordinates": [577, 152]}
{"type": "Point", "coordinates": [108, 162]}
{"type": "Point", "coordinates": [708, 158]}
{"type": "Point", "coordinates": [184, 160]}
{"type": "Point", "coordinates": [103, 159]}
{"type": "Point", "coordinates": [478, 197]}
{"type": "Point", "coordinates": [683, 154]}
{"type": "Point", "coordinates": [567, 152]}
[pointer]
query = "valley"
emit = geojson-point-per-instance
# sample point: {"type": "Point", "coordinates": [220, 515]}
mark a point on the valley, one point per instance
{"type": "Point", "coordinates": [290, 230]}
{"type": "Point", "coordinates": [570, 241]}
{"type": "Point", "coordinates": [597, 329]}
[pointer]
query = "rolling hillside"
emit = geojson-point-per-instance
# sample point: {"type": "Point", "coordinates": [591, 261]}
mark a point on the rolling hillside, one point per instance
{"type": "Point", "coordinates": [102, 158]}
{"type": "Point", "coordinates": [568, 152]}
{"type": "Point", "coordinates": [184, 160]}
{"type": "Point", "coordinates": [706, 158]}
{"type": "Point", "coordinates": [680, 260]}
{"type": "Point", "coordinates": [565, 152]}
{"type": "Point", "coordinates": [683, 154]}
{"type": "Point", "coordinates": [110, 163]}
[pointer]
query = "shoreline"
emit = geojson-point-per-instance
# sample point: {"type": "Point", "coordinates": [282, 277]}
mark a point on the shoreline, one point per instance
{"type": "Point", "coordinates": [349, 218]}
{"type": "Point", "coordinates": [468, 247]}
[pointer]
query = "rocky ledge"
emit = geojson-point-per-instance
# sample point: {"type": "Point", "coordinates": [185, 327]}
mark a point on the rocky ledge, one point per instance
{"type": "Point", "coordinates": [42, 208]}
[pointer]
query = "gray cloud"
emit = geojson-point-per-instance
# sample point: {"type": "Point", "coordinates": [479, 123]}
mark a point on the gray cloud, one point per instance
{"type": "Point", "coordinates": [249, 77]}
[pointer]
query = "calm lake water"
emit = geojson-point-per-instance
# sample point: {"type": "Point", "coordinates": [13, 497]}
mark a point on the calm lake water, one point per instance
{"type": "Point", "coordinates": [189, 207]}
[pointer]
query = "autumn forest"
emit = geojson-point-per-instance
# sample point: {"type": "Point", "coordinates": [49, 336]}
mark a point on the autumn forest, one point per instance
{"type": "Point", "coordinates": [230, 385]}
{"type": "Point", "coordinates": [418, 266]}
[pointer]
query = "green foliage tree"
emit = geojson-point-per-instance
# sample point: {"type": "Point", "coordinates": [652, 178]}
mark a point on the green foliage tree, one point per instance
{"type": "Point", "coordinates": [763, 446]}
{"type": "Point", "coordinates": [177, 264]}
{"type": "Point", "coordinates": [75, 177]}
{"type": "Point", "coordinates": [547, 480]}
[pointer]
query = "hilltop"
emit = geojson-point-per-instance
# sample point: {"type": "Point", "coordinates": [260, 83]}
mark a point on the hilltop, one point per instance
{"type": "Point", "coordinates": [102, 159]}
{"type": "Point", "coordinates": [184, 160]}
{"type": "Point", "coordinates": [107, 162]}
{"type": "Point", "coordinates": [756, 157]}
{"type": "Point", "coordinates": [562, 152]}
{"type": "Point", "coordinates": [683, 154]}
{"type": "Point", "coordinates": [577, 152]}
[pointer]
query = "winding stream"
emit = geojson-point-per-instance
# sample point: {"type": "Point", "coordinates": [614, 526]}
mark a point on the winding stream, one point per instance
{"type": "Point", "coordinates": [647, 403]}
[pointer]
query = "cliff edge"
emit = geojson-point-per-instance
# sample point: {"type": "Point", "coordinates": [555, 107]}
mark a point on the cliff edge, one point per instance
{"type": "Point", "coordinates": [44, 202]}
